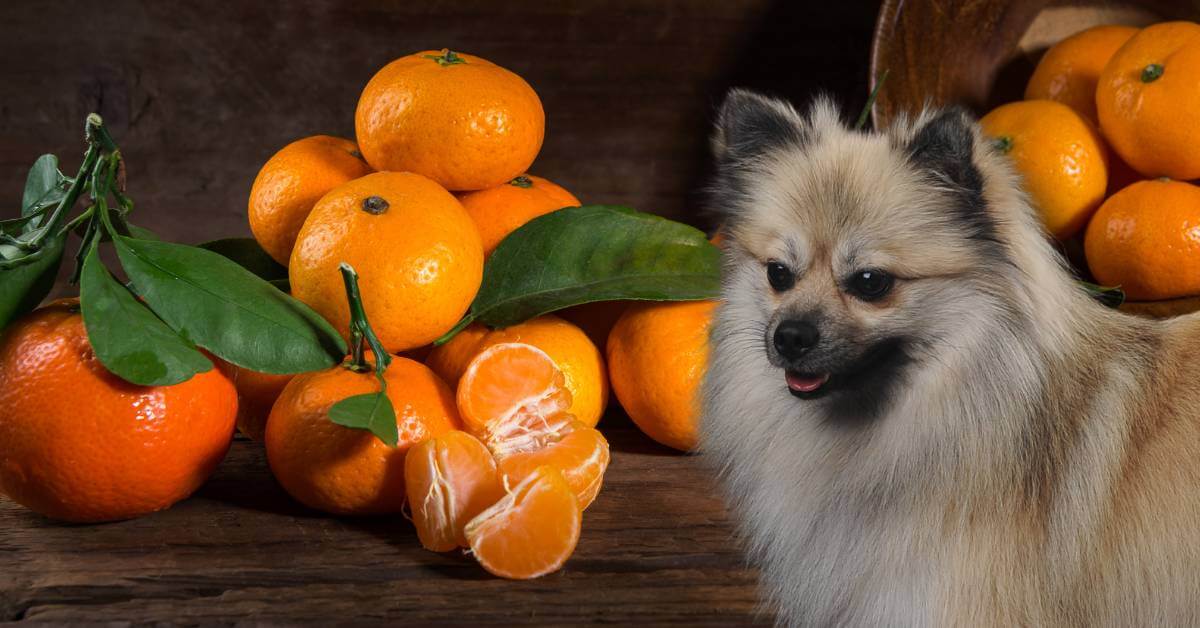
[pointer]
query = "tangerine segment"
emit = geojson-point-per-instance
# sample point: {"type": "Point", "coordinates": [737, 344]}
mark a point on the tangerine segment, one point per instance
{"type": "Point", "coordinates": [513, 398]}
{"type": "Point", "coordinates": [581, 455]}
{"type": "Point", "coordinates": [532, 531]}
{"type": "Point", "coordinates": [449, 479]}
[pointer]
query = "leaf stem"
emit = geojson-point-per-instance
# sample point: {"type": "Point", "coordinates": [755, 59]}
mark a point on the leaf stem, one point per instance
{"type": "Point", "coordinates": [361, 332]}
{"type": "Point", "coordinates": [862, 117]}
{"type": "Point", "coordinates": [461, 325]}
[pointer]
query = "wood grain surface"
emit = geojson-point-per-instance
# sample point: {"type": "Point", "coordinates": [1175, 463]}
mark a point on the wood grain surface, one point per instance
{"type": "Point", "coordinates": [657, 548]}
{"type": "Point", "coordinates": [980, 53]}
{"type": "Point", "coordinates": [200, 94]}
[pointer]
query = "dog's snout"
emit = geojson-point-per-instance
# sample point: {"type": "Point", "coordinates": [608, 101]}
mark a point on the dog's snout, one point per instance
{"type": "Point", "coordinates": [794, 338]}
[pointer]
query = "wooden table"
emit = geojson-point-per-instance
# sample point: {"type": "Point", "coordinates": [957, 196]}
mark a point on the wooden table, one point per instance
{"type": "Point", "coordinates": [657, 548]}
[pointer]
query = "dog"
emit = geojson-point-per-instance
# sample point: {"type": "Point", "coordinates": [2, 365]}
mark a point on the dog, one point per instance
{"type": "Point", "coordinates": [918, 416]}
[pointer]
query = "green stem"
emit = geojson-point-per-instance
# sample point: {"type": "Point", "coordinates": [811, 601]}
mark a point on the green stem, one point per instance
{"type": "Point", "coordinates": [361, 332]}
{"type": "Point", "coordinates": [448, 336]}
{"type": "Point", "coordinates": [862, 117]}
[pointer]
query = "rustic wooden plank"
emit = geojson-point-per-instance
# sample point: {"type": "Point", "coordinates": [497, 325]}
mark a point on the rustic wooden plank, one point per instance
{"type": "Point", "coordinates": [657, 547]}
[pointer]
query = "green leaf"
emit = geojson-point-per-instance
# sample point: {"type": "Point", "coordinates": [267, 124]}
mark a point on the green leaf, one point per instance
{"type": "Point", "coordinates": [141, 233]}
{"type": "Point", "coordinates": [1111, 296]}
{"type": "Point", "coordinates": [129, 339]}
{"type": "Point", "coordinates": [25, 281]}
{"type": "Point", "coordinates": [249, 255]}
{"type": "Point", "coordinates": [224, 308]}
{"type": "Point", "coordinates": [593, 253]}
{"type": "Point", "coordinates": [44, 186]}
{"type": "Point", "coordinates": [372, 412]}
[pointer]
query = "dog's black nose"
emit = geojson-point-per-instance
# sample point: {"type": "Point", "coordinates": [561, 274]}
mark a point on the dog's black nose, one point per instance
{"type": "Point", "coordinates": [794, 338]}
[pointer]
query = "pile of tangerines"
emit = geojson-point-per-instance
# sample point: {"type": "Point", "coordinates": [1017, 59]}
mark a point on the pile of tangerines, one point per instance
{"type": "Point", "coordinates": [498, 449]}
{"type": "Point", "coordinates": [1107, 141]}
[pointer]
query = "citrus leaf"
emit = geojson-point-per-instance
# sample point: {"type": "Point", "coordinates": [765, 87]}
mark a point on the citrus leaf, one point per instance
{"type": "Point", "coordinates": [249, 255]}
{"type": "Point", "coordinates": [45, 185]}
{"type": "Point", "coordinates": [372, 412]}
{"type": "Point", "coordinates": [1111, 296]}
{"type": "Point", "coordinates": [224, 308]}
{"type": "Point", "coordinates": [141, 233]}
{"type": "Point", "coordinates": [129, 339]}
{"type": "Point", "coordinates": [26, 280]}
{"type": "Point", "coordinates": [594, 253]}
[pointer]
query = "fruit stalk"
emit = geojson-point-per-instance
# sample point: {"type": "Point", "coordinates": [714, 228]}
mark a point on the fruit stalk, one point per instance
{"type": "Point", "coordinates": [361, 333]}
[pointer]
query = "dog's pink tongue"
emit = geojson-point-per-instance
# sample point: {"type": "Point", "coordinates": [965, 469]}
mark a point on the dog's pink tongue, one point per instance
{"type": "Point", "coordinates": [800, 383]}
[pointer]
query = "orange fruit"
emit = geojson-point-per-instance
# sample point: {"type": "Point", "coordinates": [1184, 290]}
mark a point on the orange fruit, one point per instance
{"type": "Point", "coordinates": [256, 393]}
{"type": "Point", "coordinates": [1060, 157]}
{"type": "Point", "coordinates": [573, 353]}
{"type": "Point", "coordinates": [581, 454]}
{"type": "Point", "coordinates": [1148, 101]}
{"type": "Point", "coordinates": [344, 470]}
{"type": "Point", "coordinates": [79, 444]}
{"type": "Point", "coordinates": [1146, 239]}
{"type": "Point", "coordinates": [596, 319]}
{"type": "Point", "coordinates": [1070, 69]}
{"type": "Point", "coordinates": [513, 398]}
{"type": "Point", "coordinates": [450, 479]}
{"type": "Point", "coordinates": [291, 182]}
{"type": "Point", "coordinates": [417, 253]}
{"type": "Point", "coordinates": [460, 120]}
{"type": "Point", "coordinates": [657, 353]}
{"type": "Point", "coordinates": [499, 210]}
{"type": "Point", "coordinates": [531, 532]}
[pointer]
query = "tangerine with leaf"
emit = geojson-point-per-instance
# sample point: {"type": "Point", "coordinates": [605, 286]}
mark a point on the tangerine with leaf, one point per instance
{"type": "Point", "coordinates": [336, 439]}
{"type": "Point", "coordinates": [129, 451]}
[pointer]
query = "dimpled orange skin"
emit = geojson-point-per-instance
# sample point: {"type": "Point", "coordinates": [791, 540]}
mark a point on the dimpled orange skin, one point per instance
{"type": "Point", "coordinates": [348, 471]}
{"type": "Point", "coordinates": [657, 353]}
{"type": "Point", "coordinates": [419, 262]}
{"type": "Point", "coordinates": [291, 182]}
{"type": "Point", "coordinates": [1155, 126]}
{"type": "Point", "coordinates": [1062, 161]}
{"type": "Point", "coordinates": [500, 210]}
{"type": "Point", "coordinates": [573, 353]}
{"type": "Point", "coordinates": [468, 126]}
{"type": "Point", "coordinates": [1146, 239]}
{"type": "Point", "coordinates": [79, 444]}
{"type": "Point", "coordinates": [1070, 69]}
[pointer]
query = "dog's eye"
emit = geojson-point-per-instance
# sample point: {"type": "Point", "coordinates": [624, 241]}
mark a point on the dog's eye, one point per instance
{"type": "Point", "coordinates": [869, 285]}
{"type": "Point", "coordinates": [779, 276]}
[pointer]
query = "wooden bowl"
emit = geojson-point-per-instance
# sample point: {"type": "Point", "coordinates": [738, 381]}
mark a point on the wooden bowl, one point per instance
{"type": "Point", "coordinates": [980, 54]}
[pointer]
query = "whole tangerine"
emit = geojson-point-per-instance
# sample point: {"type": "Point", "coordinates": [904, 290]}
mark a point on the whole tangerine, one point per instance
{"type": "Point", "coordinates": [458, 119]}
{"type": "Point", "coordinates": [416, 250]}
{"type": "Point", "coordinates": [344, 470]}
{"type": "Point", "coordinates": [291, 182]}
{"type": "Point", "coordinates": [1146, 239]}
{"type": "Point", "coordinates": [1148, 101]}
{"type": "Point", "coordinates": [77, 443]}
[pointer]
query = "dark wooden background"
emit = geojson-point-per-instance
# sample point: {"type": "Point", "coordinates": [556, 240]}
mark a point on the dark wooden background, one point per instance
{"type": "Point", "coordinates": [200, 94]}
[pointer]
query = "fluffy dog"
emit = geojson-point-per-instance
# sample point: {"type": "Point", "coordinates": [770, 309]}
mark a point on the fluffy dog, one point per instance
{"type": "Point", "coordinates": [919, 417]}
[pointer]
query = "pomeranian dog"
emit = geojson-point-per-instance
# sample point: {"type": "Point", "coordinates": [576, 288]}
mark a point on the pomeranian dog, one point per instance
{"type": "Point", "coordinates": [920, 418]}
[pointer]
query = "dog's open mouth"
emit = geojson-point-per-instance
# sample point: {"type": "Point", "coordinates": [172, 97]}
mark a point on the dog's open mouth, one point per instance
{"type": "Point", "coordinates": [806, 385]}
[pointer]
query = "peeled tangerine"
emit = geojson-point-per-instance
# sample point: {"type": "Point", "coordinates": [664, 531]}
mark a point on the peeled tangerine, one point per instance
{"type": "Point", "coordinates": [449, 479]}
{"type": "Point", "coordinates": [532, 531]}
{"type": "Point", "coordinates": [514, 399]}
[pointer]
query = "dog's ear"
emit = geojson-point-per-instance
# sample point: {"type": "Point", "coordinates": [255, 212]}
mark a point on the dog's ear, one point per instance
{"type": "Point", "coordinates": [944, 146]}
{"type": "Point", "coordinates": [750, 124]}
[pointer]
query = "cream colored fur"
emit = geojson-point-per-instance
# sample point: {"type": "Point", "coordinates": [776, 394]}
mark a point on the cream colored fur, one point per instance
{"type": "Point", "coordinates": [1039, 465]}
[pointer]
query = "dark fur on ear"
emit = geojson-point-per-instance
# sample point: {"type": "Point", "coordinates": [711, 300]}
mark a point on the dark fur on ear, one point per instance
{"type": "Point", "coordinates": [945, 148]}
{"type": "Point", "coordinates": [751, 124]}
